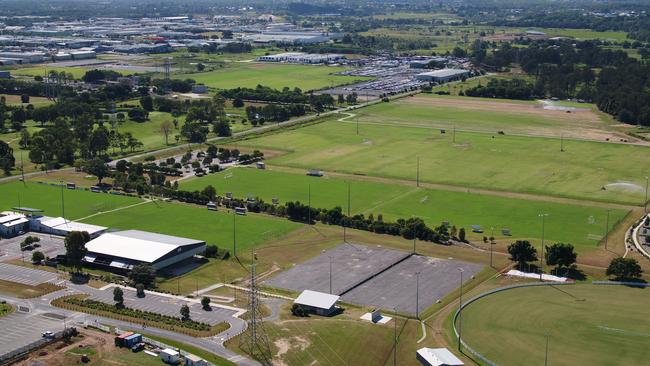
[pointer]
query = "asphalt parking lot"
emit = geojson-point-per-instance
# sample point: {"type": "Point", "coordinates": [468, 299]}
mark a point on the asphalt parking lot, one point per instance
{"type": "Point", "coordinates": [163, 305]}
{"type": "Point", "coordinates": [396, 288]}
{"type": "Point", "coordinates": [49, 245]}
{"type": "Point", "coordinates": [351, 265]}
{"type": "Point", "coordinates": [26, 276]}
{"type": "Point", "coordinates": [20, 329]}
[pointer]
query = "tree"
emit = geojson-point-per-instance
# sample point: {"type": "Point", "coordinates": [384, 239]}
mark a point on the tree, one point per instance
{"type": "Point", "coordinates": [560, 255]}
{"type": "Point", "coordinates": [75, 248]}
{"type": "Point", "coordinates": [522, 252]}
{"type": "Point", "coordinates": [25, 139]}
{"type": "Point", "coordinates": [624, 269]}
{"type": "Point", "coordinates": [205, 302]}
{"type": "Point", "coordinates": [98, 168]}
{"type": "Point", "coordinates": [118, 297]}
{"type": "Point", "coordinates": [144, 274]}
{"type": "Point", "coordinates": [185, 312]}
{"type": "Point", "coordinates": [7, 160]}
{"type": "Point", "coordinates": [147, 103]}
{"type": "Point", "coordinates": [37, 257]}
{"type": "Point", "coordinates": [237, 103]}
{"type": "Point", "coordinates": [200, 67]}
{"type": "Point", "coordinates": [24, 98]}
{"type": "Point", "coordinates": [166, 129]}
{"type": "Point", "coordinates": [210, 192]}
{"type": "Point", "coordinates": [139, 290]}
{"type": "Point", "coordinates": [461, 234]}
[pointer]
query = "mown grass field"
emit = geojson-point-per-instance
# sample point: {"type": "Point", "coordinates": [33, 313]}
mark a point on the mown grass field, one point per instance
{"type": "Point", "coordinates": [196, 222]}
{"type": "Point", "coordinates": [78, 203]}
{"type": "Point", "coordinates": [42, 70]}
{"type": "Point", "coordinates": [586, 170]}
{"type": "Point", "coordinates": [583, 226]}
{"type": "Point", "coordinates": [14, 100]}
{"type": "Point", "coordinates": [249, 75]}
{"type": "Point", "coordinates": [488, 115]}
{"type": "Point", "coordinates": [586, 325]}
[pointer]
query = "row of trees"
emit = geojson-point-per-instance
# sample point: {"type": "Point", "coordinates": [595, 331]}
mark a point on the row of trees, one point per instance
{"type": "Point", "coordinates": [564, 257]}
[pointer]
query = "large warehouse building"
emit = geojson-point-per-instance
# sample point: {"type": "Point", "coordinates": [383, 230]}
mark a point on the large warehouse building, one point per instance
{"type": "Point", "coordinates": [442, 75]}
{"type": "Point", "coordinates": [120, 251]}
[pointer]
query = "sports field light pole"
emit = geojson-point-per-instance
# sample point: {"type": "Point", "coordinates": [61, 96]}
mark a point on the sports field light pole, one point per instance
{"type": "Point", "coordinates": [460, 310]}
{"type": "Point", "coordinates": [234, 235]}
{"type": "Point", "coordinates": [395, 337]}
{"type": "Point", "coordinates": [62, 203]}
{"type": "Point", "coordinates": [541, 259]}
{"type": "Point", "coordinates": [417, 173]}
{"type": "Point", "coordinates": [546, 351]}
{"type": "Point", "coordinates": [417, 295]}
{"type": "Point", "coordinates": [606, 228]}
{"type": "Point", "coordinates": [330, 257]}
{"type": "Point", "coordinates": [309, 204]}
{"type": "Point", "coordinates": [492, 229]}
{"type": "Point", "coordinates": [345, 239]}
{"type": "Point", "coordinates": [645, 203]}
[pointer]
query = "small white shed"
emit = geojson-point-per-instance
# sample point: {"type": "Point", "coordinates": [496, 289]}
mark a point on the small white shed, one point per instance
{"type": "Point", "coordinates": [170, 356]}
{"type": "Point", "coordinates": [191, 360]}
{"type": "Point", "coordinates": [437, 357]}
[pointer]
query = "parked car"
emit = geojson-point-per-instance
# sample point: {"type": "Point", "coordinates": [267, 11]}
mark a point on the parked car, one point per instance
{"type": "Point", "coordinates": [48, 334]}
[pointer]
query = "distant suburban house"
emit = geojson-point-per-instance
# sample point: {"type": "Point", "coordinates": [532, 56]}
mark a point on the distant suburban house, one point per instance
{"type": "Point", "coordinates": [437, 357]}
{"type": "Point", "coordinates": [318, 303]}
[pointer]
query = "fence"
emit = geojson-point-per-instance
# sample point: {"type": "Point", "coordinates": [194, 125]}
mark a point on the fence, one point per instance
{"type": "Point", "coordinates": [9, 357]}
{"type": "Point", "coordinates": [475, 298]}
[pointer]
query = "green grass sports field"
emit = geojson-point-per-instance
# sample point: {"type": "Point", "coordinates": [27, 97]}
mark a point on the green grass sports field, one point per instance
{"type": "Point", "coordinates": [78, 203]}
{"type": "Point", "coordinates": [198, 223]}
{"type": "Point", "coordinates": [583, 226]}
{"type": "Point", "coordinates": [249, 75]}
{"type": "Point", "coordinates": [587, 325]}
{"type": "Point", "coordinates": [586, 170]}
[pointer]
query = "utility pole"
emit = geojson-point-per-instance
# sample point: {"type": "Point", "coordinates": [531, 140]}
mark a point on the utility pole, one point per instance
{"type": "Point", "coordinates": [607, 229]}
{"type": "Point", "coordinates": [454, 135]}
{"type": "Point", "coordinates": [460, 310]}
{"type": "Point", "coordinates": [415, 237]}
{"type": "Point", "coordinates": [345, 239]}
{"type": "Point", "coordinates": [561, 143]}
{"type": "Point", "coordinates": [541, 259]}
{"type": "Point", "coordinates": [309, 204]}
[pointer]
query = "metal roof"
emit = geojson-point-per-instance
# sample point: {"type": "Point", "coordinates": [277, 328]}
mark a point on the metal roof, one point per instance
{"type": "Point", "coordinates": [444, 73]}
{"type": "Point", "coordinates": [317, 299]}
{"type": "Point", "coordinates": [439, 357]}
{"type": "Point", "coordinates": [28, 209]}
{"type": "Point", "coordinates": [60, 223]}
{"type": "Point", "coordinates": [137, 245]}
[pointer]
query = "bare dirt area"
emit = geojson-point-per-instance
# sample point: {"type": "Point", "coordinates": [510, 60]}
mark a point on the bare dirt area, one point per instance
{"type": "Point", "coordinates": [58, 353]}
{"type": "Point", "coordinates": [582, 123]}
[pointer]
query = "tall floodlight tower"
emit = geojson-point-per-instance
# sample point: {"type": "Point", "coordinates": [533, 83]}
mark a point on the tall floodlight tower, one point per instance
{"type": "Point", "coordinates": [255, 341]}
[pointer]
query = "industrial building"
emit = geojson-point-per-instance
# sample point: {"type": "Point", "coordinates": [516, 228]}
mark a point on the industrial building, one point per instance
{"type": "Point", "coordinates": [12, 224]}
{"type": "Point", "coordinates": [62, 227]}
{"type": "Point", "coordinates": [120, 251]}
{"type": "Point", "coordinates": [437, 357]}
{"type": "Point", "coordinates": [442, 75]}
{"type": "Point", "coordinates": [318, 303]}
{"type": "Point", "coordinates": [302, 58]}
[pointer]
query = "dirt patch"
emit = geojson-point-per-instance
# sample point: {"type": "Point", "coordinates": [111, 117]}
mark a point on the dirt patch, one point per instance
{"type": "Point", "coordinates": [285, 345]}
{"type": "Point", "coordinates": [54, 354]}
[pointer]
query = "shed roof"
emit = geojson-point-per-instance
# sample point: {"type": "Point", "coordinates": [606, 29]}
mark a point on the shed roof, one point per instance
{"type": "Point", "coordinates": [60, 223]}
{"type": "Point", "coordinates": [317, 299]}
{"type": "Point", "coordinates": [444, 72]}
{"type": "Point", "coordinates": [137, 245]}
{"type": "Point", "coordinates": [439, 357]}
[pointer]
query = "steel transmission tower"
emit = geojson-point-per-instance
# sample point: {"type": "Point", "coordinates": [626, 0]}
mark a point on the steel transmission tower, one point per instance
{"type": "Point", "coordinates": [167, 67]}
{"type": "Point", "coordinates": [255, 341]}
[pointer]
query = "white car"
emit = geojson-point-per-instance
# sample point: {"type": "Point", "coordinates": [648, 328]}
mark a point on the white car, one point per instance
{"type": "Point", "coordinates": [48, 334]}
